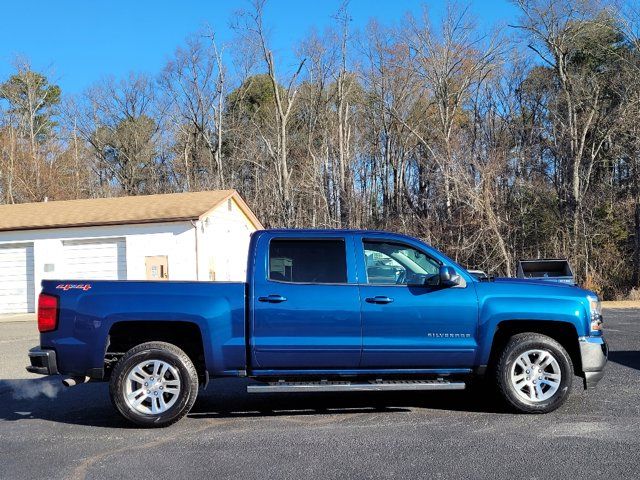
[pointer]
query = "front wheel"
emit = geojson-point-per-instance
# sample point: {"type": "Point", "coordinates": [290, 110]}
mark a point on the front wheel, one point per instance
{"type": "Point", "coordinates": [154, 384]}
{"type": "Point", "coordinates": [534, 373]}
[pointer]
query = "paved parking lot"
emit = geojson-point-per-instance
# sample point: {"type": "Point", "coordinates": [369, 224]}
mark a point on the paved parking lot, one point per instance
{"type": "Point", "coordinates": [48, 432]}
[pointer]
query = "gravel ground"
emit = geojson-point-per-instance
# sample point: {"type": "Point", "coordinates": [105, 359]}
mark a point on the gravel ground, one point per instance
{"type": "Point", "coordinates": [48, 432]}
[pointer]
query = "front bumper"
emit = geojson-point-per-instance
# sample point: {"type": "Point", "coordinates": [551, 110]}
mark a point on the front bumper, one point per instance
{"type": "Point", "coordinates": [593, 353]}
{"type": "Point", "coordinates": [42, 361]}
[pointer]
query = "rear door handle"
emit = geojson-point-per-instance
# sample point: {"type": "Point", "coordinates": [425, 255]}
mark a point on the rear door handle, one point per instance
{"type": "Point", "coordinates": [272, 299]}
{"type": "Point", "coordinates": [380, 299]}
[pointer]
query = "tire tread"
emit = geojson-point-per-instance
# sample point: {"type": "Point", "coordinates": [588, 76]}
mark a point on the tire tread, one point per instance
{"type": "Point", "coordinates": [122, 364]}
{"type": "Point", "coordinates": [502, 366]}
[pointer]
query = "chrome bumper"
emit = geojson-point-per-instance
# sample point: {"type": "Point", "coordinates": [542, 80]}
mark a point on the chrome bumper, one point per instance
{"type": "Point", "coordinates": [593, 353]}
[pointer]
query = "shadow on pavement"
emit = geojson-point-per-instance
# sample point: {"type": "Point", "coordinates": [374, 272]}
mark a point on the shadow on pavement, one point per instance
{"type": "Point", "coordinates": [627, 358]}
{"type": "Point", "coordinates": [89, 404]}
{"type": "Point", "coordinates": [47, 399]}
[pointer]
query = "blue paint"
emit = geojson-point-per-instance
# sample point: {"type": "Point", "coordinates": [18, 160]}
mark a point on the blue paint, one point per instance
{"type": "Point", "coordinates": [317, 329]}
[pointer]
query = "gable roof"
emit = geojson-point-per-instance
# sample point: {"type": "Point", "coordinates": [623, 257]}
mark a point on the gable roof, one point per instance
{"type": "Point", "coordinates": [171, 207]}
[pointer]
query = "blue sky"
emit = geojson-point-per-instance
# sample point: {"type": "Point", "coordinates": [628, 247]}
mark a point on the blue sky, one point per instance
{"type": "Point", "coordinates": [80, 41]}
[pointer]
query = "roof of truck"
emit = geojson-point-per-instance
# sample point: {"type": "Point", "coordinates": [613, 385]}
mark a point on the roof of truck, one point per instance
{"type": "Point", "coordinates": [312, 231]}
{"type": "Point", "coordinates": [171, 207]}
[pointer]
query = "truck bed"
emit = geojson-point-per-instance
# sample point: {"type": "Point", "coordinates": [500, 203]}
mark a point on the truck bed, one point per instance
{"type": "Point", "coordinates": [89, 310]}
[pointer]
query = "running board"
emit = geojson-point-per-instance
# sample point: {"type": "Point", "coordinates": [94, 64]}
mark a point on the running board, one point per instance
{"type": "Point", "coordinates": [344, 386]}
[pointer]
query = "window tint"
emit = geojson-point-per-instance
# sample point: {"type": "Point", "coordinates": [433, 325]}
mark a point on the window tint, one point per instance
{"type": "Point", "coordinates": [397, 264]}
{"type": "Point", "coordinates": [308, 261]}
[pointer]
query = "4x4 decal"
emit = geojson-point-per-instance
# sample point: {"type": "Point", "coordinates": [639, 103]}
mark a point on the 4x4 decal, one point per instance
{"type": "Point", "coordinates": [73, 286]}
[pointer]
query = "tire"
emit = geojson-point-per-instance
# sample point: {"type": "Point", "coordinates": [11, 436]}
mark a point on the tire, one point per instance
{"type": "Point", "coordinates": [159, 402]}
{"type": "Point", "coordinates": [534, 387]}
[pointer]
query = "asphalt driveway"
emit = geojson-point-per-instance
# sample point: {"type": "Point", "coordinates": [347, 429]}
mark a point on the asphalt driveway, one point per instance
{"type": "Point", "coordinates": [50, 432]}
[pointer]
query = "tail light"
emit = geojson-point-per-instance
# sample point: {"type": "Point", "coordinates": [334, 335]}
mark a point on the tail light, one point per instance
{"type": "Point", "coordinates": [47, 312]}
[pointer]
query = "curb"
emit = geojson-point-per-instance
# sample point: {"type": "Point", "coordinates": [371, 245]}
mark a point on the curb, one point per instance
{"type": "Point", "coordinates": [22, 318]}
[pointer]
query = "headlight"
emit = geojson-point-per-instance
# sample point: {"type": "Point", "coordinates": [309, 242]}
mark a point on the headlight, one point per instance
{"type": "Point", "coordinates": [596, 314]}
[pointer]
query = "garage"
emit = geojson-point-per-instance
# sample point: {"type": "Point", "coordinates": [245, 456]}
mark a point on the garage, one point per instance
{"type": "Point", "coordinates": [17, 293]}
{"type": "Point", "coordinates": [101, 259]}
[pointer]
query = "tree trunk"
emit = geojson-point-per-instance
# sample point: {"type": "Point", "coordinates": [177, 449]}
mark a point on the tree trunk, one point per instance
{"type": "Point", "coordinates": [636, 238]}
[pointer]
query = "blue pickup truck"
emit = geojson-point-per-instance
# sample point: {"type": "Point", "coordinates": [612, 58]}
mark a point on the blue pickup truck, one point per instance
{"type": "Point", "coordinates": [322, 310]}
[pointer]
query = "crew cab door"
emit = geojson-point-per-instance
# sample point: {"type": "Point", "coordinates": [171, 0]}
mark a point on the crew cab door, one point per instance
{"type": "Point", "coordinates": [407, 323]}
{"type": "Point", "coordinates": [305, 303]}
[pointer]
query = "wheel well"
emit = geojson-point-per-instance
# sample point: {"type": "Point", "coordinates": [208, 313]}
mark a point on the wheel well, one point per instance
{"type": "Point", "coordinates": [125, 335]}
{"type": "Point", "coordinates": [563, 332]}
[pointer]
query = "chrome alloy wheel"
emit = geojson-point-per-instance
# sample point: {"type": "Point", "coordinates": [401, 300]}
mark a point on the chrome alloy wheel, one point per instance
{"type": "Point", "coordinates": [152, 387]}
{"type": "Point", "coordinates": [536, 375]}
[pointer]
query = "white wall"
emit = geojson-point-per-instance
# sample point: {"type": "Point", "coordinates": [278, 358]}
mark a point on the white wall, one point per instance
{"type": "Point", "coordinates": [176, 240]}
{"type": "Point", "coordinates": [224, 244]}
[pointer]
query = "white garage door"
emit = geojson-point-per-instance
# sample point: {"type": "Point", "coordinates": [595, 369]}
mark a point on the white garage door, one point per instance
{"type": "Point", "coordinates": [103, 259]}
{"type": "Point", "coordinates": [17, 290]}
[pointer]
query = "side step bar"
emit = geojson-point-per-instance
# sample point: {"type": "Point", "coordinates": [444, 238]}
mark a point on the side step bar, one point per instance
{"type": "Point", "coordinates": [345, 386]}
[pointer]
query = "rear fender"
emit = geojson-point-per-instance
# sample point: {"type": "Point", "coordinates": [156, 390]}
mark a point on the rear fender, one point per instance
{"type": "Point", "coordinates": [86, 317]}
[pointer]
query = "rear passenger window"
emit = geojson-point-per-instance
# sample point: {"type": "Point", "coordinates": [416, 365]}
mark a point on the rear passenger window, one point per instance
{"type": "Point", "coordinates": [308, 261]}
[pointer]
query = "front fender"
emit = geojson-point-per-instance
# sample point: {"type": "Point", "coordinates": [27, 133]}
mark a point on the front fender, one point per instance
{"type": "Point", "coordinates": [494, 310]}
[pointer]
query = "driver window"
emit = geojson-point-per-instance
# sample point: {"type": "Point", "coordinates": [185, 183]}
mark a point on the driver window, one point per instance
{"type": "Point", "coordinates": [397, 264]}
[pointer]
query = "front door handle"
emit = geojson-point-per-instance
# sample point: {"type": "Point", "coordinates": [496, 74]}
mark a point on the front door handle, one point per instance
{"type": "Point", "coordinates": [272, 299]}
{"type": "Point", "coordinates": [380, 299]}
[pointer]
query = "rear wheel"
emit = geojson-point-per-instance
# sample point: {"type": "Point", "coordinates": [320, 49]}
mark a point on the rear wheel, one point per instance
{"type": "Point", "coordinates": [534, 373]}
{"type": "Point", "coordinates": [154, 384]}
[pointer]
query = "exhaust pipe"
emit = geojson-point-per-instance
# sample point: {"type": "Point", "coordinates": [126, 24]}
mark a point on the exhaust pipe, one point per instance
{"type": "Point", "coordinates": [72, 381]}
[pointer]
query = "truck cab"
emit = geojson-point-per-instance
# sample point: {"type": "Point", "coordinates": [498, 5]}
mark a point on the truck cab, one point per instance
{"type": "Point", "coordinates": [322, 310]}
{"type": "Point", "coordinates": [362, 301]}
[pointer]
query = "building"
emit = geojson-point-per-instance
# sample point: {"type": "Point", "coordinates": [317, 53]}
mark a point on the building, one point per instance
{"type": "Point", "coordinates": [182, 236]}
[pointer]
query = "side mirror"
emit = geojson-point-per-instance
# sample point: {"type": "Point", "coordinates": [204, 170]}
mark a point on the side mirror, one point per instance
{"type": "Point", "coordinates": [448, 276]}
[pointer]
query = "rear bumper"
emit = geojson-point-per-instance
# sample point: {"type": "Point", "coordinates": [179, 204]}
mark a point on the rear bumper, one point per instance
{"type": "Point", "coordinates": [593, 353]}
{"type": "Point", "coordinates": [42, 361]}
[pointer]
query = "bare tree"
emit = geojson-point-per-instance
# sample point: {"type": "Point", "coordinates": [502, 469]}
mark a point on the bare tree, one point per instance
{"type": "Point", "coordinates": [194, 84]}
{"type": "Point", "coordinates": [120, 122]}
{"type": "Point", "coordinates": [583, 112]}
{"type": "Point", "coordinates": [284, 101]}
{"type": "Point", "coordinates": [451, 63]}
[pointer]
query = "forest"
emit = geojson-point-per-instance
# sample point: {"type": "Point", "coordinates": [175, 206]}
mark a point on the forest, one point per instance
{"type": "Point", "coordinates": [514, 142]}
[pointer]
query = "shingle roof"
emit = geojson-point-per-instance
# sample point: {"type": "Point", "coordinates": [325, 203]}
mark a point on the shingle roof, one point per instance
{"type": "Point", "coordinates": [170, 207]}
